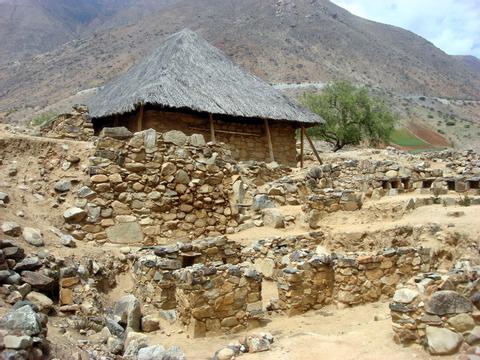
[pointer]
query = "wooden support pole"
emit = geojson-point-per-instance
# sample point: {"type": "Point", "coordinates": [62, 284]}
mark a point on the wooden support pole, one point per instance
{"type": "Point", "coordinates": [212, 128]}
{"type": "Point", "coordinates": [312, 146]}
{"type": "Point", "coordinates": [140, 118]}
{"type": "Point", "coordinates": [269, 140]}
{"type": "Point", "coordinates": [301, 147]}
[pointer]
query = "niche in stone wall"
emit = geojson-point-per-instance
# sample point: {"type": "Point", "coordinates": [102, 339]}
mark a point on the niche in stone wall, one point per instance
{"type": "Point", "coordinates": [451, 185]}
{"type": "Point", "coordinates": [406, 184]}
{"type": "Point", "coordinates": [474, 184]}
{"type": "Point", "coordinates": [427, 184]}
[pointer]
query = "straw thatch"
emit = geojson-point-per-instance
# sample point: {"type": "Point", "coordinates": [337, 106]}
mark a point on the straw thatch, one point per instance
{"type": "Point", "coordinates": [187, 72]}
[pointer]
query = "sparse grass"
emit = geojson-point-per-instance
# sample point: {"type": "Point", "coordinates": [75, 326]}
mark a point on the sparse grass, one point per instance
{"type": "Point", "coordinates": [43, 118]}
{"type": "Point", "coordinates": [403, 137]}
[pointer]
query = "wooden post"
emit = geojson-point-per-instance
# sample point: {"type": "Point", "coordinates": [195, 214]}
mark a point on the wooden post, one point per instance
{"type": "Point", "coordinates": [269, 140]}
{"type": "Point", "coordinates": [140, 118]}
{"type": "Point", "coordinates": [301, 147]}
{"type": "Point", "coordinates": [212, 128]}
{"type": "Point", "coordinates": [312, 146]}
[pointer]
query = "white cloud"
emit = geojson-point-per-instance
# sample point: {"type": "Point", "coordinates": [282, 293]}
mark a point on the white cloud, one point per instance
{"type": "Point", "coordinates": [452, 25]}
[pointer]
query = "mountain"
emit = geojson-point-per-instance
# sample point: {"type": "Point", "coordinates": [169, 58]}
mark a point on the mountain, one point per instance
{"type": "Point", "coordinates": [31, 27]}
{"type": "Point", "coordinates": [470, 61]}
{"type": "Point", "coordinates": [281, 41]}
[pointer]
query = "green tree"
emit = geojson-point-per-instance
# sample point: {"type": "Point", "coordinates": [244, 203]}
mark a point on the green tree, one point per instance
{"type": "Point", "coordinates": [351, 115]}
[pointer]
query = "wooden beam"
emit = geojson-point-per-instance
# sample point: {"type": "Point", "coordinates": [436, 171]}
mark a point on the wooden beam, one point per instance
{"type": "Point", "coordinates": [212, 128]}
{"type": "Point", "coordinates": [140, 118]}
{"type": "Point", "coordinates": [312, 146]}
{"type": "Point", "coordinates": [241, 133]}
{"type": "Point", "coordinates": [269, 140]}
{"type": "Point", "coordinates": [301, 146]}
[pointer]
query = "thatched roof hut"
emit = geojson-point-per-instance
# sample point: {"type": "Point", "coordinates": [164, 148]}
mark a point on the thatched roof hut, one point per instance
{"type": "Point", "coordinates": [186, 74]}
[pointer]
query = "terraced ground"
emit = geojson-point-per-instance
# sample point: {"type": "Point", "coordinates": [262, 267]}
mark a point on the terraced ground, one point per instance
{"type": "Point", "coordinates": [415, 137]}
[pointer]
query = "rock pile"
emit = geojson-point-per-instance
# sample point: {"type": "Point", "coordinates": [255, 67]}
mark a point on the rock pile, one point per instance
{"type": "Point", "coordinates": [24, 332]}
{"type": "Point", "coordinates": [440, 311]}
{"type": "Point", "coordinates": [77, 125]}
{"type": "Point", "coordinates": [249, 344]}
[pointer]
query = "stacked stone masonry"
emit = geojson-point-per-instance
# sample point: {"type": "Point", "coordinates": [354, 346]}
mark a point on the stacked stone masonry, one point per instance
{"type": "Point", "coordinates": [432, 304]}
{"type": "Point", "coordinates": [218, 298]}
{"type": "Point", "coordinates": [153, 271]}
{"type": "Point", "coordinates": [153, 186]}
{"type": "Point", "coordinates": [312, 281]}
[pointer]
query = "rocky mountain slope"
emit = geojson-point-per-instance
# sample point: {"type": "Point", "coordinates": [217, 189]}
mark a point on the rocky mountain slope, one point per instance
{"type": "Point", "coordinates": [32, 27]}
{"type": "Point", "coordinates": [281, 41]}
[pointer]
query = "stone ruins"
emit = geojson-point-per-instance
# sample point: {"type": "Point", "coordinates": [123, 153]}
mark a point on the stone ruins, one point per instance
{"type": "Point", "coordinates": [166, 211]}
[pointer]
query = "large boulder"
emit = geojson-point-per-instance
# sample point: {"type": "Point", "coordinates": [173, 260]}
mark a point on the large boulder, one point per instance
{"type": "Point", "coordinates": [23, 320]}
{"type": "Point", "coordinates": [128, 312]}
{"type": "Point", "coordinates": [33, 236]}
{"type": "Point", "coordinates": [125, 233]}
{"type": "Point", "coordinates": [441, 341]}
{"type": "Point", "coordinates": [448, 302]}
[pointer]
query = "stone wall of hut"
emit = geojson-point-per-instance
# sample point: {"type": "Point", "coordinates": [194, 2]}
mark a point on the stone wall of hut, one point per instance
{"type": "Point", "coordinates": [247, 139]}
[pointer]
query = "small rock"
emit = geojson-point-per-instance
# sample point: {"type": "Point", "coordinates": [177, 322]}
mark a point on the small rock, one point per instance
{"type": "Point", "coordinates": [273, 218]}
{"type": "Point", "coordinates": [150, 323]}
{"type": "Point", "coordinates": [128, 312]}
{"type": "Point", "coordinates": [176, 137]}
{"type": "Point", "coordinates": [461, 322]}
{"type": "Point", "coordinates": [37, 280]}
{"type": "Point", "coordinates": [225, 354]}
{"type": "Point", "coordinates": [63, 185]}
{"type": "Point", "coordinates": [74, 214]}
{"type": "Point", "coordinates": [405, 296]}
{"type": "Point", "coordinates": [4, 197]}
{"type": "Point", "coordinates": [68, 241]}
{"type": "Point", "coordinates": [11, 228]}
{"type": "Point", "coordinates": [29, 263]}
{"type": "Point", "coordinates": [17, 342]}
{"type": "Point", "coordinates": [44, 303]}
{"type": "Point", "coordinates": [33, 236]}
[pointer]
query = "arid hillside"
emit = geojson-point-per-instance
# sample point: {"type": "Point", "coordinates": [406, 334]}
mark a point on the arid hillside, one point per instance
{"type": "Point", "coordinates": [283, 41]}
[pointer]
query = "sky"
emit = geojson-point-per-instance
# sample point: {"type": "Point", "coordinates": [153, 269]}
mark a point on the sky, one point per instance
{"type": "Point", "coordinates": [451, 25]}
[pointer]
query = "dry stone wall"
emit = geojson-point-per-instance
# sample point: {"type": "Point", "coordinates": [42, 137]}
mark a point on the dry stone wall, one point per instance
{"type": "Point", "coordinates": [433, 306]}
{"type": "Point", "coordinates": [153, 270]}
{"type": "Point", "coordinates": [154, 186]}
{"type": "Point", "coordinates": [312, 280]}
{"type": "Point", "coordinates": [218, 298]}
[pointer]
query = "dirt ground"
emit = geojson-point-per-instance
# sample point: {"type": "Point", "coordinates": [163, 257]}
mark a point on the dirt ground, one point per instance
{"type": "Point", "coordinates": [327, 334]}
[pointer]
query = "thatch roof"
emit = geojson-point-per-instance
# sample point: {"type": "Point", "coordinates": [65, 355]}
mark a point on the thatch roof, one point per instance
{"type": "Point", "coordinates": [187, 72]}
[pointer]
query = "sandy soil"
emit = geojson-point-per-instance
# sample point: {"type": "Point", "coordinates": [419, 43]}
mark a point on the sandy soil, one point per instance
{"type": "Point", "coordinates": [330, 333]}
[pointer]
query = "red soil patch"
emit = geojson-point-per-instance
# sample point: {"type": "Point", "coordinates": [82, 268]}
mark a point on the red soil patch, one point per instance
{"type": "Point", "coordinates": [428, 135]}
